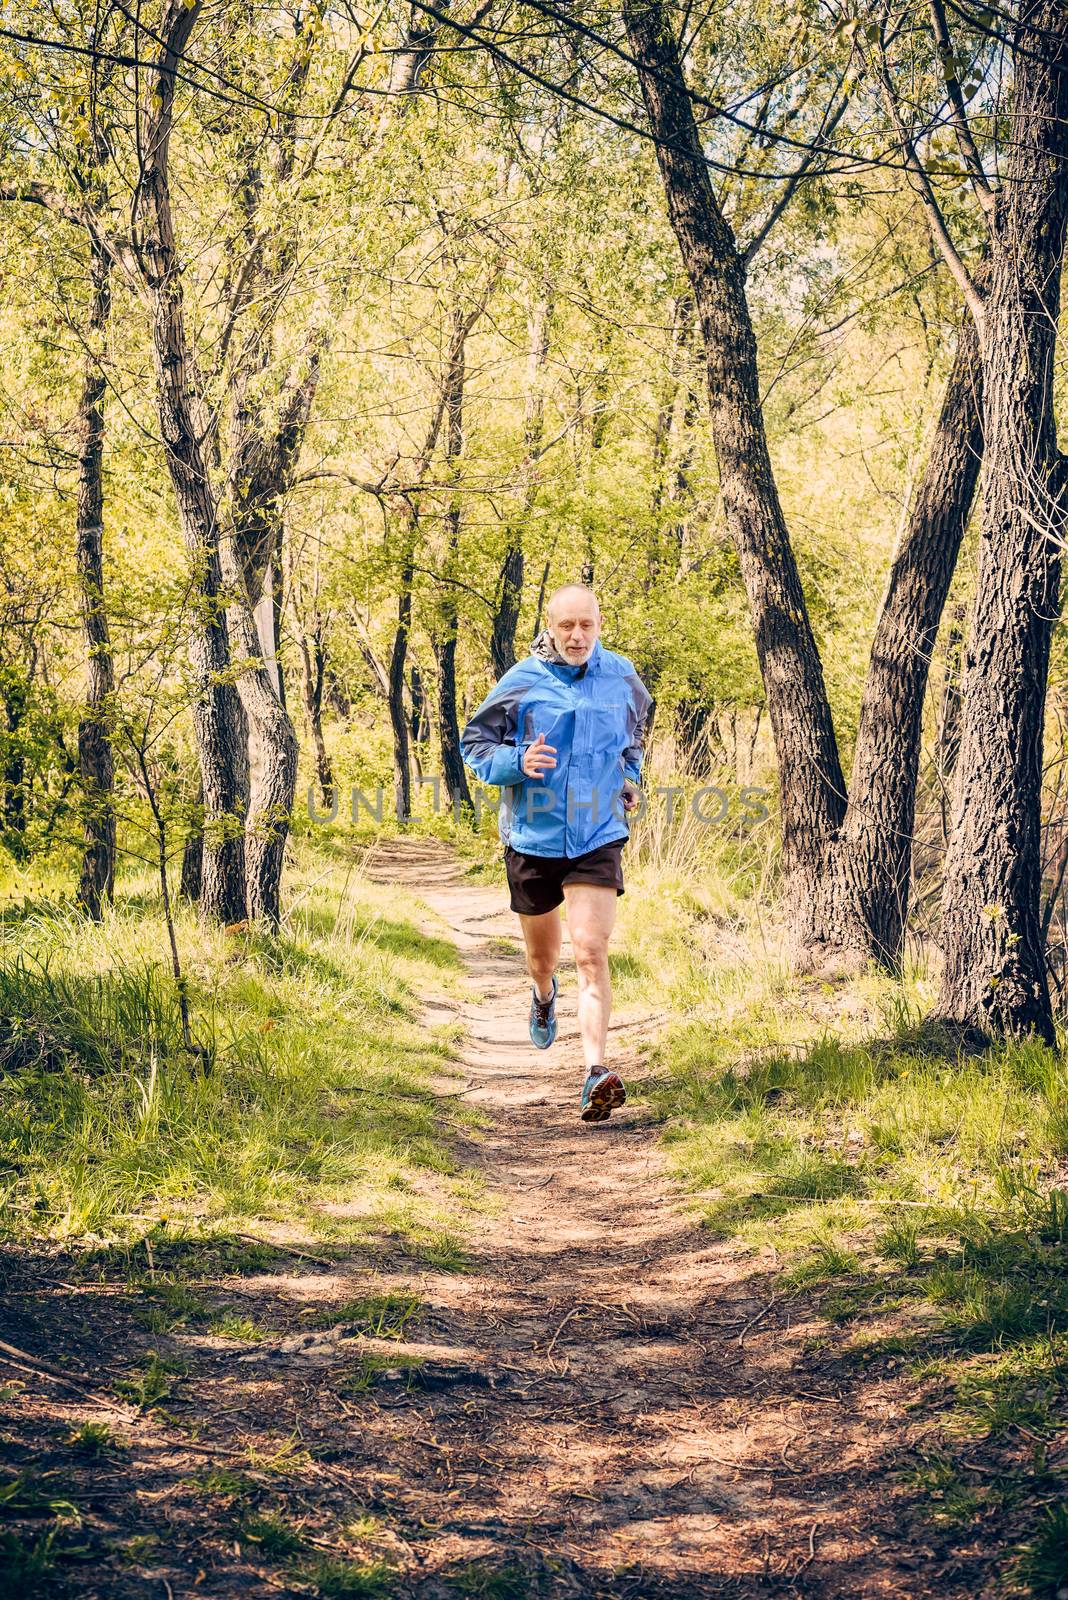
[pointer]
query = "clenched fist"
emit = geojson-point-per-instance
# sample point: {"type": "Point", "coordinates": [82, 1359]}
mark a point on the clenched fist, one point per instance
{"type": "Point", "coordinates": [538, 757]}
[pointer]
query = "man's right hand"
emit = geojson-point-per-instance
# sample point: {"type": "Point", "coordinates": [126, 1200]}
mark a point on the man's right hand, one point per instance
{"type": "Point", "coordinates": [538, 757]}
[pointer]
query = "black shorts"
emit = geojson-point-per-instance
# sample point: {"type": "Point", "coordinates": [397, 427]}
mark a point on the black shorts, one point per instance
{"type": "Point", "coordinates": [537, 882]}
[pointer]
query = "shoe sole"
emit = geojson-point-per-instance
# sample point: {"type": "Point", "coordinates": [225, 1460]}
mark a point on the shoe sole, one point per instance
{"type": "Point", "coordinates": [604, 1099]}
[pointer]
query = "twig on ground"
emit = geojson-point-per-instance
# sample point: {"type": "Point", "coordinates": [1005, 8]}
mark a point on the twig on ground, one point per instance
{"type": "Point", "coordinates": [810, 1557]}
{"type": "Point", "coordinates": [574, 1312]}
{"type": "Point", "coordinates": [758, 1318]}
{"type": "Point", "coordinates": [27, 1363]}
{"type": "Point", "coordinates": [286, 1249]}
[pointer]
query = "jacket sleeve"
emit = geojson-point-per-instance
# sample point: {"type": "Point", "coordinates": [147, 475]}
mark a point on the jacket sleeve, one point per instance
{"type": "Point", "coordinates": [638, 721]}
{"type": "Point", "coordinates": [489, 740]}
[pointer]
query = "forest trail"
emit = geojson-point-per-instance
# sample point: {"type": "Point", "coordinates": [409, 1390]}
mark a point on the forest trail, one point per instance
{"type": "Point", "coordinates": [630, 1407]}
{"type": "Point", "coordinates": [607, 1402]}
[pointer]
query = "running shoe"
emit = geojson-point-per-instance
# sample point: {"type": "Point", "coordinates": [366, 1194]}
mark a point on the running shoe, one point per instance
{"type": "Point", "coordinates": [602, 1092]}
{"type": "Point", "coordinates": [543, 1017]}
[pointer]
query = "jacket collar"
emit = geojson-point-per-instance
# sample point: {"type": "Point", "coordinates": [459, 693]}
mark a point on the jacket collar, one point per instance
{"type": "Point", "coordinates": [544, 649]}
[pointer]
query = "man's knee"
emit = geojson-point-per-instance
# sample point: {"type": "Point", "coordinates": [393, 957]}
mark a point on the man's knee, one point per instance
{"type": "Point", "coordinates": [590, 950]}
{"type": "Point", "coordinates": [541, 963]}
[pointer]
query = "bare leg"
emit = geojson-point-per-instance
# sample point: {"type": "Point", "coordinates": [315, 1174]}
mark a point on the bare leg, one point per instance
{"type": "Point", "coordinates": [591, 915]}
{"type": "Point", "coordinates": [542, 936]}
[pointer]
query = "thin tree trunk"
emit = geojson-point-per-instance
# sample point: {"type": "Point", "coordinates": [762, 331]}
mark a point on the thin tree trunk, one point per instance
{"type": "Point", "coordinates": [313, 662]}
{"type": "Point", "coordinates": [402, 777]}
{"type": "Point", "coordinates": [452, 762]}
{"type": "Point", "coordinates": [263, 457]}
{"type": "Point", "coordinates": [14, 776]}
{"type": "Point", "coordinates": [193, 860]}
{"type": "Point", "coordinates": [673, 439]}
{"type": "Point", "coordinates": [695, 721]}
{"type": "Point", "coordinates": [510, 581]}
{"type": "Point", "coordinates": [994, 974]}
{"type": "Point", "coordinates": [812, 790]}
{"type": "Point", "coordinates": [96, 760]}
{"type": "Point", "coordinates": [183, 428]}
{"type": "Point", "coordinates": [273, 753]}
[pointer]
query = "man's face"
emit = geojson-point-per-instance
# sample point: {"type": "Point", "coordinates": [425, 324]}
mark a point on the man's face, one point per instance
{"type": "Point", "coordinates": [574, 623]}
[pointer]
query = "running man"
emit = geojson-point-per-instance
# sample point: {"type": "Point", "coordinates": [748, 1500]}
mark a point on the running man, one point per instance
{"type": "Point", "coordinates": [562, 735]}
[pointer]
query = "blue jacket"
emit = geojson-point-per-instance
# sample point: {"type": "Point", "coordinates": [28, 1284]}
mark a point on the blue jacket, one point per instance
{"type": "Point", "coordinates": [595, 715]}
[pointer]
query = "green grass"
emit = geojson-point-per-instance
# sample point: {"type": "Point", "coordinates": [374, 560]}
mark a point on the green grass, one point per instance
{"type": "Point", "coordinates": [168, 1304]}
{"type": "Point", "coordinates": [366, 1372]}
{"type": "Point", "coordinates": [224, 1483]}
{"type": "Point", "coordinates": [29, 1556]}
{"type": "Point", "coordinates": [317, 1110]}
{"type": "Point", "coordinates": [1042, 1567]}
{"type": "Point", "coordinates": [482, 1580]}
{"type": "Point", "coordinates": [26, 1561]}
{"type": "Point", "coordinates": [94, 1439]}
{"type": "Point", "coordinates": [155, 1382]}
{"type": "Point", "coordinates": [232, 1326]}
{"type": "Point", "coordinates": [335, 1578]}
{"type": "Point", "coordinates": [271, 1535]}
{"type": "Point", "coordinates": [382, 1316]}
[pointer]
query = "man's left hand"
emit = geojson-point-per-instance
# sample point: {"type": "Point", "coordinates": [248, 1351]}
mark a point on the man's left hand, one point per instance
{"type": "Point", "coordinates": [632, 795]}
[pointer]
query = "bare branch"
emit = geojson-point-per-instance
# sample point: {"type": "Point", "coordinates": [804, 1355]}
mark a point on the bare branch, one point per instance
{"type": "Point", "coordinates": [968, 149]}
{"type": "Point", "coordinates": [119, 251]}
{"type": "Point", "coordinates": [828, 126]}
{"type": "Point", "coordinates": [935, 220]}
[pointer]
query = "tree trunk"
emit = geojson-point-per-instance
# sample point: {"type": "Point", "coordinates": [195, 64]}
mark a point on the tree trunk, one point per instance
{"type": "Point", "coordinates": [184, 428]}
{"type": "Point", "coordinates": [673, 442]}
{"type": "Point", "coordinates": [193, 861]}
{"type": "Point", "coordinates": [509, 599]}
{"type": "Point", "coordinates": [15, 696]}
{"type": "Point", "coordinates": [694, 721]}
{"type": "Point", "coordinates": [812, 790]}
{"type": "Point", "coordinates": [95, 756]}
{"type": "Point", "coordinates": [949, 709]}
{"type": "Point", "coordinates": [313, 661]}
{"type": "Point", "coordinates": [994, 975]}
{"type": "Point", "coordinates": [272, 751]}
{"type": "Point", "coordinates": [866, 892]}
{"type": "Point", "coordinates": [510, 582]}
{"type": "Point", "coordinates": [402, 777]}
{"type": "Point", "coordinates": [452, 762]}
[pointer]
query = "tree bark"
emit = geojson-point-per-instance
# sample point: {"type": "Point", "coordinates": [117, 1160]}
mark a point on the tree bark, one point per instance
{"type": "Point", "coordinates": [994, 975]}
{"type": "Point", "coordinates": [96, 762]}
{"type": "Point", "coordinates": [183, 427]}
{"type": "Point", "coordinates": [812, 790]}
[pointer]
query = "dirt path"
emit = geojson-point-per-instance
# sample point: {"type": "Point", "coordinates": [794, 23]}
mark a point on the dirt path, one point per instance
{"type": "Point", "coordinates": [609, 1402]}
{"type": "Point", "coordinates": [643, 1415]}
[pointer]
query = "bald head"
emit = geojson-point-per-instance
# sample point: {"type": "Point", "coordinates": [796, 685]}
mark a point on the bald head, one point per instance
{"type": "Point", "coordinates": [574, 621]}
{"type": "Point", "coordinates": [571, 594]}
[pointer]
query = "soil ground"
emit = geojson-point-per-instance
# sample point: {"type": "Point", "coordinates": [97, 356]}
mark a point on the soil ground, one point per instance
{"type": "Point", "coordinates": [608, 1402]}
